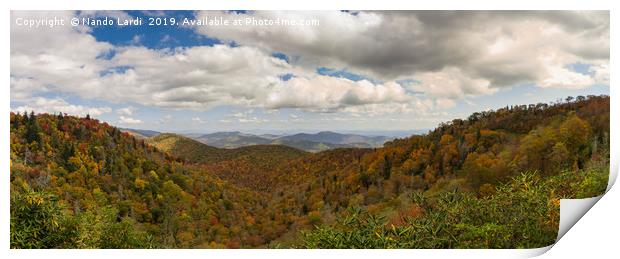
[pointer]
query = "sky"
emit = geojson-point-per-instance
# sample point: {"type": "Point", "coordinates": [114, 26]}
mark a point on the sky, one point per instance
{"type": "Point", "coordinates": [285, 72]}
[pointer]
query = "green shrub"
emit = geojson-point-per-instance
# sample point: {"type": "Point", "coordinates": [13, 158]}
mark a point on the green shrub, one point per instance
{"type": "Point", "coordinates": [37, 221]}
{"type": "Point", "coordinates": [522, 213]}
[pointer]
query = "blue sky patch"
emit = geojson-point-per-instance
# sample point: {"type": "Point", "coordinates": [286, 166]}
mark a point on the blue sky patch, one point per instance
{"type": "Point", "coordinates": [154, 37]}
{"type": "Point", "coordinates": [343, 73]}
{"type": "Point", "coordinates": [281, 56]}
{"type": "Point", "coordinates": [115, 70]}
{"type": "Point", "coordinates": [580, 68]}
{"type": "Point", "coordinates": [286, 77]}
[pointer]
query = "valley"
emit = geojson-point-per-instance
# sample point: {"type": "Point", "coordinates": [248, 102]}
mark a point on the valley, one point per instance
{"type": "Point", "coordinates": [93, 185]}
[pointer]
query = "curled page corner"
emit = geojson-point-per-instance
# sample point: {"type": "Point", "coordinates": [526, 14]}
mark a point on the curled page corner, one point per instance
{"type": "Point", "coordinates": [613, 172]}
{"type": "Point", "coordinates": [572, 210]}
{"type": "Point", "coordinates": [534, 252]}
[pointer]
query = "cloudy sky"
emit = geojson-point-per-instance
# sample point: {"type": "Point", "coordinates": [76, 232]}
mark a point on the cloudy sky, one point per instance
{"type": "Point", "coordinates": [360, 71]}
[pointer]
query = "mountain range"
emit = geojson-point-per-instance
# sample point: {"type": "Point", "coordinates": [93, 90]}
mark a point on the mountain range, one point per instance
{"type": "Point", "coordinates": [310, 142]}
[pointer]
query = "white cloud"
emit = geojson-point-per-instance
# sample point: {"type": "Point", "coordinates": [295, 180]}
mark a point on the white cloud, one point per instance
{"type": "Point", "coordinates": [155, 13]}
{"type": "Point", "coordinates": [44, 105]}
{"type": "Point", "coordinates": [248, 116]}
{"type": "Point", "coordinates": [325, 93]}
{"type": "Point", "coordinates": [252, 120]}
{"type": "Point", "coordinates": [239, 115]}
{"type": "Point", "coordinates": [202, 77]}
{"type": "Point", "coordinates": [165, 120]}
{"type": "Point", "coordinates": [499, 48]}
{"type": "Point", "coordinates": [166, 38]}
{"type": "Point", "coordinates": [22, 88]}
{"type": "Point", "coordinates": [136, 39]}
{"type": "Point", "coordinates": [451, 83]}
{"type": "Point", "coordinates": [451, 55]}
{"type": "Point", "coordinates": [128, 120]}
{"type": "Point", "coordinates": [601, 73]}
{"type": "Point", "coordinates": [62, 58]}
{"type": "Point", "coordinates": [561, 77]}
{"type": "Point", "coordinates": [445, 103]}
{"type": "Point", "coordinates": [198, 120]}
{"type": "Point", "coordinates": [126, 111]}
{"type": "Point", "coordinates": [196, 78]}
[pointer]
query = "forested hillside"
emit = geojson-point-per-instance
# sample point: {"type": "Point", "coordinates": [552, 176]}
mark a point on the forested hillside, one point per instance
{"type": "Point", "coordinates": [491, 180]}
{"type": "Point", "coordinates": [90, 185]}
{"type": "Point", "coordinates": [477, 156]}
{"type": "Point", "coordinates": [249, 166]}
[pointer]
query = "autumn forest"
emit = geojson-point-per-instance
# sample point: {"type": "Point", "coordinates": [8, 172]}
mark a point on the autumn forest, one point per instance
{"type": "Point", "coordinates": [491, 180]}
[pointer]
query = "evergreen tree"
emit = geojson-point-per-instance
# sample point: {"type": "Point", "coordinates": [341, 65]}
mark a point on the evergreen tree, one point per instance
{"type": "Point", "coordinates": [32, 129]}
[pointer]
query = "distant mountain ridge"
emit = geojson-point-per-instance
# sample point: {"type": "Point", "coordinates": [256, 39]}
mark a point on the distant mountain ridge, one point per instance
{"type": "Point", "coordinates": [232, 139]}
{"type": "Point", "coordinates": [140, 133]}
{"type": "Point", "coordinates": [310, 142]}
{"type": "Point", "coordinates": [338, 138]}
{"type": "Point", "coordinates": [316, 142]}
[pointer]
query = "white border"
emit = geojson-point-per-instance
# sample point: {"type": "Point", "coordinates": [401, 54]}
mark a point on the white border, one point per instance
{"type": "Point", "coordinates": [311, 5]}
{"type": "Point", "coordinates": [595, 234]}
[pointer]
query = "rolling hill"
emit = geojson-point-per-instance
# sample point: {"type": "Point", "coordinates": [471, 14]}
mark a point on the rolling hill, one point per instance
{"type": "Point", "coordinates": [231, 139]}
{"type": "Point", "coordinates": [140, 133]}
{"type": "Point", "coordinates": [197, 152]}
{"type": "Point", "coordinates": [250, 166]}
{"type": "Point", "coordinates": [186, 148]}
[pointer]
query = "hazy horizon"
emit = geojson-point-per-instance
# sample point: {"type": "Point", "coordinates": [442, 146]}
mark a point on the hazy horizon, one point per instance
{"type": "Point", "coordinates": [258, 132]}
